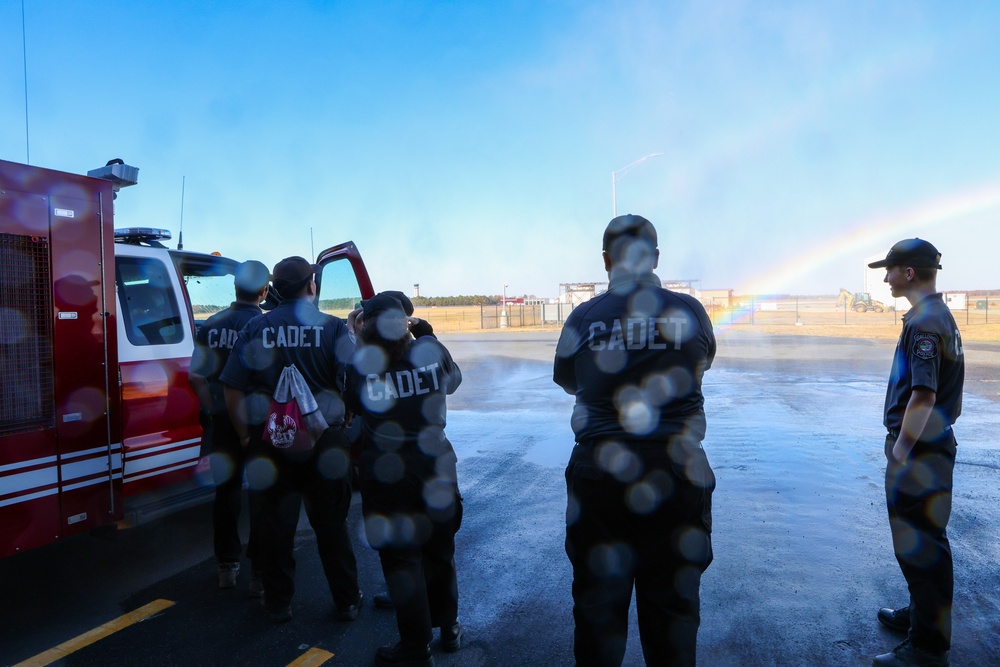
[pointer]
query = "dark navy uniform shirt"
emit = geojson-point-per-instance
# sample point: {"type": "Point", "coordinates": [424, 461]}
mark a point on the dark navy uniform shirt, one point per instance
{"type": "Point", "coordinates": [402, 404]}
{"type": "Point", "coordinates": [294, 332]}
{"type": "Point", "coordinates": [634, 358]}
{"type": "Point", "coordinates": [929, 355]}
{"type": "Point", "coordinates": [213, 344]}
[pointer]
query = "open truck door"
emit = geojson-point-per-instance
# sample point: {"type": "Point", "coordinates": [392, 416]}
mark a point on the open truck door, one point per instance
{"type": "Point", "coordinates": [342, 280]}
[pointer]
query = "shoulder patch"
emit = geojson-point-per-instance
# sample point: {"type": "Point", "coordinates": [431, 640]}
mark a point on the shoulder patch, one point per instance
{"type": "Point", "coordinates": [925, 345]}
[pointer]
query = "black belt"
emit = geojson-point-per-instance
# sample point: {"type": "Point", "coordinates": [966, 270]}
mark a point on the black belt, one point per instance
{"type": "Point", "coordinates": [894, 432]}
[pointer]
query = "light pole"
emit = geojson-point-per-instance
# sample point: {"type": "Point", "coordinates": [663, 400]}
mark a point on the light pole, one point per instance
{"type": "Point", "coordinates": [623, 171]}
{"type": "Point", "coordinates": [503, 308]}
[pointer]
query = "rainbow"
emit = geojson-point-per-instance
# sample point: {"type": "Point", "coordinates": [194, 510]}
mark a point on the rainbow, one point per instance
{"type": "Point", "coordinates": [881, 231]}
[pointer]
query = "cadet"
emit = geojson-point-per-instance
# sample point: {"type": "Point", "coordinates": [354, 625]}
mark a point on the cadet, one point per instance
{"type": "Point", "coordinates": [296, 332]}
{"type": "Point", "coordinates": [409, 486]}
{"type": "Point", "coordinates": [922, 401]}
{"type": "Point", "coordinates": [638, 482]}
{"type": "Point", "coordinates": [213, 344]}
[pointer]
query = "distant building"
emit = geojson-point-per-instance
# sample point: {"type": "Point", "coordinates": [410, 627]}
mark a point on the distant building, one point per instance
{"type": "Point", "coordinates": [716, 298]}
{"type": "Point", "coordinates": [577, 293]}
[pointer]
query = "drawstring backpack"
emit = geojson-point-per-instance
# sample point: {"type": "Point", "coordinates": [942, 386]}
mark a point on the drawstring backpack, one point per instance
{"type": "Point", "coordinates": [294, 421]}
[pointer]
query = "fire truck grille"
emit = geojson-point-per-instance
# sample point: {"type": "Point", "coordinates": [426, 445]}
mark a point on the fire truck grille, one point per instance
{"type": "Point", "coordinates": [27, 397]}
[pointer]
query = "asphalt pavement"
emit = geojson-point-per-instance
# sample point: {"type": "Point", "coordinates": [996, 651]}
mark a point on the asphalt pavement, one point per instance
{"type": "Point", "coordinates": [802, 552]}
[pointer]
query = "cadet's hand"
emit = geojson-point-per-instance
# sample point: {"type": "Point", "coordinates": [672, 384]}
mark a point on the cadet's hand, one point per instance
{"type": "Point", "coordinates": [420, 327]}
{"type": "Point", "coordinates": [354, 320]}
{"type": "Point", "coordinates": [901, 450]}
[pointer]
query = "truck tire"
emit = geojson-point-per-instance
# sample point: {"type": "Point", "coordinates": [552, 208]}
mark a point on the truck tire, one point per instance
{"type": "Point", "coordinates": [860, 307]}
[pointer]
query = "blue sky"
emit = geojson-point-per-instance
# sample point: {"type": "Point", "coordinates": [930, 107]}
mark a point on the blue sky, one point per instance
{"type": "Point", "coordinates": [464, 145]}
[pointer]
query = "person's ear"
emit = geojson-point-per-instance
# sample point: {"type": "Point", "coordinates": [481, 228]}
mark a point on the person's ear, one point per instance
{"type": "Point", "coordinates": [607, 260]}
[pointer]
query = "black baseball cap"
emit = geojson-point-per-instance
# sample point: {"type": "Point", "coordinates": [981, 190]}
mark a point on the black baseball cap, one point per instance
{"type": "Point", "coordinates": [291, 274]}
{"type": "Point", "coordinates": [252, 276]}
{"type": "Point", "coordinates": [380, 303]}
{"type": "Point", "coordinates": [402, 298]}
{"type": "Point", "coordinates": [915, 253]}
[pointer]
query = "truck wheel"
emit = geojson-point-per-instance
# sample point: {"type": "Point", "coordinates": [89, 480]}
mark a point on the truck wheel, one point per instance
{"type": "Point", "coordinates": [860, 308]}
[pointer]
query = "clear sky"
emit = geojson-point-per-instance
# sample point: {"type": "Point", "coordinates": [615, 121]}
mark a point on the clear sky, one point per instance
{"type": "Point", "coordinates": [464, 145]}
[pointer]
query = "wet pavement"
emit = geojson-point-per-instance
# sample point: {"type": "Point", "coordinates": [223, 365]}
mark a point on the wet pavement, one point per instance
{"type": "Point", "coordinates": [802, 551]}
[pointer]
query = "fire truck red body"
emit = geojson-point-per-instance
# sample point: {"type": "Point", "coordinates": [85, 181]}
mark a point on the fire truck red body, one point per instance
{"type": "Point", "coordinates": [97, 420]}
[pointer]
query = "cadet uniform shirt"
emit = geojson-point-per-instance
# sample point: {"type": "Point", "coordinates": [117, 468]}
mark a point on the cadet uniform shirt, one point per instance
{"type": "Point", "coordinates": [213, 344]}
{"type": "Point", "coordinates": [403, 404]}
{"type": "Point", "coordinates": [929, 355]}
{"type": "Point", "coordinates": [634, 358]}
{"type": "Point", "coordinates": [295, 332]}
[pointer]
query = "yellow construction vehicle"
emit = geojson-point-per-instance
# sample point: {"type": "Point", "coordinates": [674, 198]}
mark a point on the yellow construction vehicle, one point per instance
{"type": "Point", "coordinates": [860, 302]}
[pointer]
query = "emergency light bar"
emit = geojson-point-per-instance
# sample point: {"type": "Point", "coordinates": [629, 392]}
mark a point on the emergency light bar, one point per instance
{"type": "Point", "coordinates": [139, 235]}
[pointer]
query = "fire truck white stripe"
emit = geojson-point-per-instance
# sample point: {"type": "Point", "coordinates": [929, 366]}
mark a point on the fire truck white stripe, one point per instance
{"type": "Point", "coordinates": [87, 452]}
{"type": "Point", "coordinates": [133, 478]}
{"type": "Point", "coordinates": [143, 451]}
{"type": "Point", "coordinates": [30, 496]}
{"type": "Point", "coordinates": [29, 480]}
{"type": "Point", "coordinates": [133, 466]}
{"type": "Point", "coordinates": [84, 468]}
{"type": "Point", "coordinates": [25, 464]}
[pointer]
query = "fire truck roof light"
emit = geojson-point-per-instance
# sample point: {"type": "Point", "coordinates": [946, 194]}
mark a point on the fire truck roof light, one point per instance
{"type": "Point", "coordinates": [119, 173]}
{"type": "Point", "coordinates": [136, 235]}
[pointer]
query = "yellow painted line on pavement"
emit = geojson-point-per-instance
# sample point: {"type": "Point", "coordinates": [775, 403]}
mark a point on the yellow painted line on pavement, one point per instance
{"type": "Point", "coordinates": [314, 657]}
{"type": "Point", "coordinates": [98, 633]}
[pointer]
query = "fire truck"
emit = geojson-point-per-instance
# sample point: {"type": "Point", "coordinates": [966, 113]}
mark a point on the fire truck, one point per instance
{"type": "Point", "coordinates": [98, 424]}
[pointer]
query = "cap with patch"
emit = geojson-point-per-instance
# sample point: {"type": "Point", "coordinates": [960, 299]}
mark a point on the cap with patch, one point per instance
{"type": "Point", "coordinates": [915, 253]}
{"type": "Point", "coordinates": [252, 276]}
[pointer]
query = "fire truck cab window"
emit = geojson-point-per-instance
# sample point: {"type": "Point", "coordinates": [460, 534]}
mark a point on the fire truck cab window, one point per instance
{"type": "Point", "coordinates": [149, 305]}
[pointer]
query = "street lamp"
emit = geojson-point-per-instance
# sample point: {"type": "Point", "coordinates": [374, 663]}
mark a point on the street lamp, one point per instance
{"type": "Point", "coordinates": [503, 308]}
{"type": "Point", "coordinates": [623, 171]}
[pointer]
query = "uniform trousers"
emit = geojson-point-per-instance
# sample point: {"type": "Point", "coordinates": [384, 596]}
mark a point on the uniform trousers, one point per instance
{"type": "Point", "coordinates": [228, 462]}
{"type": "Point", "coordinates": [652, 532]}
{"type": "Point", "coordinates": [416, 545]}
{"type": "Point", "coordinates": [918, 497]}
{"type": "Point", "coordinates": [319, 478]}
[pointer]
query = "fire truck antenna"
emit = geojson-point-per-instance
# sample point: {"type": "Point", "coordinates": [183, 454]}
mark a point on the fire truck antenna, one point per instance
{"type": "Point", "coordinates": [180, 234]}
{"type": "Point", "coordinates": [24, 52]}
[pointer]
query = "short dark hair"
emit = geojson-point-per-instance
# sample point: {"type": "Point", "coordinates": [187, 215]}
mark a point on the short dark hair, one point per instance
{"type": "Point", "coordinates": [924, 274]}
{"type": "Point", "coordinates": [247, 295]}
{"type": "Point", "coordinates": [632, 226]}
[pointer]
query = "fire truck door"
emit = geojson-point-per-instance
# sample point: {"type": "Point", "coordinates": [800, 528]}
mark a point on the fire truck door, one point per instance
{"type": "Point", "coordinates": [88, 452]}
{"type": "Point", "coordinates": [342, 279]}
{"type": "Point", "coordinates": [29, 480]}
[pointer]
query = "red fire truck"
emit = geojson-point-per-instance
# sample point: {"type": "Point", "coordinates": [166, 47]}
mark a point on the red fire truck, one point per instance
{"type": "Point", "coordinates": [98, 424]}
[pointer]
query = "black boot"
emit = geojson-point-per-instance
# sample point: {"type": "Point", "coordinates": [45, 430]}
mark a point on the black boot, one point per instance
{"type": "Point", "coordinates": [451, 637]}
{"type": "Point", "coordinates": [404, 656]}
